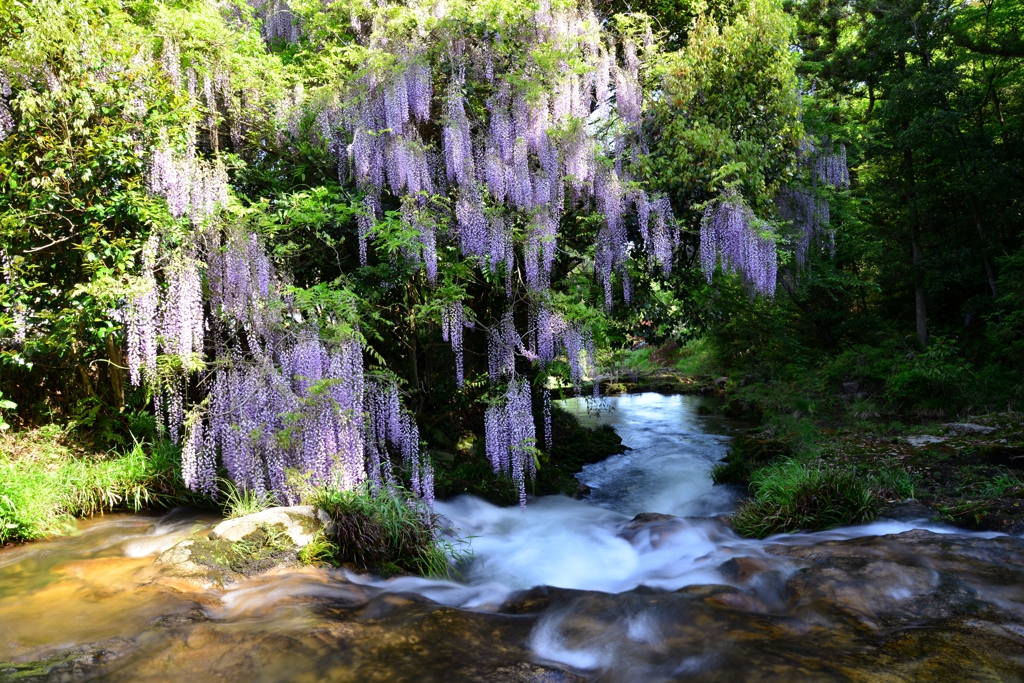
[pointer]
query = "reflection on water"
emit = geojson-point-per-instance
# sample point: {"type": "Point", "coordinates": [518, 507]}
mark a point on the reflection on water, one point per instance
{"type": "Point", "coordinates": [565, 590]}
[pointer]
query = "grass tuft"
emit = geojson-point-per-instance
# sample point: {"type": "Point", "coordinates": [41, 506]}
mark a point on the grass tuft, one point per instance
{"type": "Point", "coordinates": [241, 502]}
{"type": "Point", "coordinates": [389, 533]}
{"type": "Point", "coordinates": [792, 495]}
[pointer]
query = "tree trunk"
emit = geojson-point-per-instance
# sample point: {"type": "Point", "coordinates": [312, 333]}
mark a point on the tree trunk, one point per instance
{"type": "Point", "coordinates": [910, 200]}
{"type": "Point", "coordinates": [990, 271]}
{"type": "Point", "coordinates": [114, 371]}
{"type": "Point", "coordinates": [920, 312]}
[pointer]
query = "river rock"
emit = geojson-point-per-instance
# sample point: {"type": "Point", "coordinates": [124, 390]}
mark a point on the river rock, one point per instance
{"type": "Point", "coordinates": [301, 522]}
{"type": "Point", "coordinates": [646, 517]}
{"type": "Point", "coordinates": [532, 673]}
{"type": "Point", "coordinates": [924, 440]}
{"type": "Point", "coordinates": [243, 547]}
{"type": "Point", "coordinates": [912, 575]}
{"type": "Point", "coordinates": [968, 429]}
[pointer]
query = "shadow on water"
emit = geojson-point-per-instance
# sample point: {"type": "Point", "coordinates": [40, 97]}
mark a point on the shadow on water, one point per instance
{"type": "Point", "coordinates": [564, 591]}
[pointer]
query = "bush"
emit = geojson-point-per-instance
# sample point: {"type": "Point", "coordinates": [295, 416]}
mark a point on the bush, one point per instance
{"type": "Point", "coordinates": [385, 533]}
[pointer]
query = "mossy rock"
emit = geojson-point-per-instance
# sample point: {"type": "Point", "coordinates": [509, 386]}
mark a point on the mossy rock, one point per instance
{"type": "Point", "coordinates": [217, 561]}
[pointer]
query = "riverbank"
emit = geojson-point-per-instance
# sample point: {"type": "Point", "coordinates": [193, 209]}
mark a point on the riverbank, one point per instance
{"type": "Point", "coordinates": [808, 473]}
{"type": "Point", "coordinates": [823, 455]}
{"type": "Point", "coordinates": [49, 478]}
{"type": "Point", "coordinates": [566, 590]}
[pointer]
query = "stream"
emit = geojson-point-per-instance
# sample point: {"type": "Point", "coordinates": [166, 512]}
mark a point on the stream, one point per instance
{"type": "Point", "coordinates": [567, 590]}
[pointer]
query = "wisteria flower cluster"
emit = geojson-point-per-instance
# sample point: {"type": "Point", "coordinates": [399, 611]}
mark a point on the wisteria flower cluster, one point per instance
{"type": "Point", "coordinates": [193, 187]}
{"type": "Point", "coordinates": [452, 322]}
{"type": "Point", "coordinates": [279, 24]}
{"type": "Point", "coordinates": [805, 206]}
{"type": "Point", "coordinates": [19, 311]}
{"type": "Point", "coordinates": [532, 153]}
{"type": "Point", "coordinates": [510, 437]}
{"type": "Point", "coordinates": [284, 404]}
{"type": "Point", "coordinates": [554, 335]}
{"type": "Point", "coordinates": [6, 119]}
{"type": "Point", "coordinates": [731, 237]}
{"type": "Point", "coordinates": [830, 167]}
{"type": "Point", "coordinates": [809, 213]}
{"type": "Point", "coordinates": [239, 275]}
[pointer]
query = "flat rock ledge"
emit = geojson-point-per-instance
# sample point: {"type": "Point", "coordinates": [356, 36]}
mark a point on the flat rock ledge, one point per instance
{"type": "Point", "coordinates": [243, 547]}
{"type": "Point", "coordinates": [301, 522]}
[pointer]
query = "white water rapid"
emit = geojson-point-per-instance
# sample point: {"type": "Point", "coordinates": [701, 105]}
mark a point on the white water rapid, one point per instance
{"type": "Point", "coordinates": [590, 544]}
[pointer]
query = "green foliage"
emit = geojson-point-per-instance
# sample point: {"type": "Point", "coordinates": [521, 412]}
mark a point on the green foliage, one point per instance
{"type": "Point", "coordinates": [746, 455]}
{"type": "Point", "coordinates": [388, 532]}
{"type": "Point", "coordinates": [47, 479]}
{"type": "Point", "coordinates": [1006, 324]}
{"type": "Point", "coordinates": [5, 406]}
{"type": "Point", "coordinates": [89, 103]}
{"type": "Point", "coordinates": [729, 118]}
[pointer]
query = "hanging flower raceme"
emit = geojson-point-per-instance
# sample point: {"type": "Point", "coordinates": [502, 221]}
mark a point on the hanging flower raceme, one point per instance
{"type": "Point", "coordinates": [510, 437]}
{"type": "Point", "coordinates": [193, 187]}
{"type": "Point", "coordinates": [554, 336]}
{"type": "Point", "coordinates": [730, 236]}
{"type": "Point", "coordinates": [830, 167]}
{"type": "Point", "coordinates": [452, 322]}
{"type": "Point", "coordinates": [143, 319]}
{"type": "Point", "coordinates": [502, 342]}
{"type": "Point", "coordinates": [391, 427]}
{"type": "Point", "coordinates": [809, 213]}
{"type": "Point", "coordinates": [6, 120]}
{"type": "Point", "coordinates": [239, 276]}
{"type": "Point", "coordinates": [805, 206]}
{"type": "Point", "coordinates": [298, 405]}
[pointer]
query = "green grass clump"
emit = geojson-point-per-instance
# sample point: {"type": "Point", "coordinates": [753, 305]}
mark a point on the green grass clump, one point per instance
{"type": "Point", "coordinates": [241, 502]}
{"type": "Point", "coordinates": [793, 495]}
{"type": "Point", "coordinates": [697, 357]}
{"type": "Point", "coordinates": [47, 480]}
{"type": "Point", "coordinates": [387, 533]}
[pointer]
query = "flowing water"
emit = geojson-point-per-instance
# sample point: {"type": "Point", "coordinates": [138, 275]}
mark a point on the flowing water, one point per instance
{"type": "Point", "coordinates": [566, 590]}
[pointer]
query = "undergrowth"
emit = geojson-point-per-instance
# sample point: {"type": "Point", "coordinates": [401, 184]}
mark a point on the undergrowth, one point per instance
{"type": "Point", "coordinates": [47, 480]}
